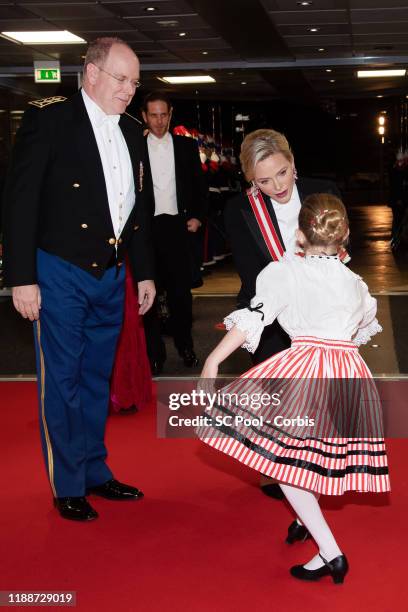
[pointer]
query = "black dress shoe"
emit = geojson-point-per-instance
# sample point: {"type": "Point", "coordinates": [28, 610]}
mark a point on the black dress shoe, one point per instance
{"type": "Point", "coordinates": [297, 533]}
{"type": "Point", "coordinates": [273, 490]}
{"type": "Point", "coordinates": [156, 367]}
{"type": "Point", "coordinates": [117, 491]}
{"type": "Point", "coordinates": [337, 568]}
{"type": "Point", "coordinates": [75, 508]}
{"type": "Point", "coordinates": [189, 357]}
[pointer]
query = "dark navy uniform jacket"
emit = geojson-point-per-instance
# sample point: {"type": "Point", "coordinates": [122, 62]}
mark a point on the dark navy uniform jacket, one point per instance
{"type": "Point", "coordinates": [55, 196]}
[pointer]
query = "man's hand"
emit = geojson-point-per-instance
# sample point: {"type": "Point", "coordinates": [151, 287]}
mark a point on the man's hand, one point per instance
{"type": "Point", "coordinates": [146, 294]}
{"type": "Point", "coordinates": [27, 301]}
{"type": "Point", "coordinates": [193, 225]}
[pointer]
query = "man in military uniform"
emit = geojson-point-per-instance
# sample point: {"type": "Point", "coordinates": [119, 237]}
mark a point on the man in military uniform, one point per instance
{"type": "Point", "coordinates": [75, 202]}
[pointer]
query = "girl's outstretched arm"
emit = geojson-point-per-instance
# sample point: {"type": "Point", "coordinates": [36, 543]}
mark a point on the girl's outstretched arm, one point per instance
{"type": "Point", "coordinates": [231, 341]}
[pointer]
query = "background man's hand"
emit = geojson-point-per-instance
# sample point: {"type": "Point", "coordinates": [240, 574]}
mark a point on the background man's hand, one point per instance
{"type": "Point", "coordinates": [146, 294]}
{"type": "Point", "coordinates": [27, 301]}
{"type": "Point", "coordinates": [193, 225]}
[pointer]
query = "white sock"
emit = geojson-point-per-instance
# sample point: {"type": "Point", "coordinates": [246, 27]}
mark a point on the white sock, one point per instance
{"type": "Point", "coordinates": [307, 508]}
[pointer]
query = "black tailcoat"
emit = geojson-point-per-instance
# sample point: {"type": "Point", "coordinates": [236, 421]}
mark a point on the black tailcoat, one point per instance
{"type": "Point", "coordinates": [56, 199]}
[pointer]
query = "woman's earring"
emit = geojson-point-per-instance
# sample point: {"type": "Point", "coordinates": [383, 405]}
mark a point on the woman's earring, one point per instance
{"type": "Point", "coordinates": [295, 174]}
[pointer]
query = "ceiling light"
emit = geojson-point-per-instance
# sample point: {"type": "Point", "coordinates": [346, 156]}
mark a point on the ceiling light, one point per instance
{"type": "Point", "coordinates": [43, 38]}
{"type": "Point", "coordinates": [380, 73]}
{"type": "Point", "coordinates": [332, 80]}
{"type": "Point", "coordinates": [243, 82]}
{"type": "Point", "coordinates": [150, 9]}
{"type": "Point", "coordinates": [304, 3]}
{"type": "Point", "coordinates": [182, 80]}
{"type": "Point", "coordinates": [182, 33]}
{"type": "Point", "coordinates": [321, 49]}
{"type": "Point", "coordinates": [328, 69]}
{"type": "Point", "coordinates": [205, 52]}
{"type": "Point", "coordinates": [380, 96]}
{"type": "Point", "coordinates": [167, 23]}
{"type": "Point", "coordinates": [313, 29]}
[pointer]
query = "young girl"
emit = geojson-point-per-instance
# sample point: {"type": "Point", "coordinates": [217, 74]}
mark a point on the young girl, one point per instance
{"type": "Point", "coordinates": [322, 431]}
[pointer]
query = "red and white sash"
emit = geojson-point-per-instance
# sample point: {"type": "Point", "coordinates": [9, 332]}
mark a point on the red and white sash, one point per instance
{"type": "Point", "coordinates": [268, 231]}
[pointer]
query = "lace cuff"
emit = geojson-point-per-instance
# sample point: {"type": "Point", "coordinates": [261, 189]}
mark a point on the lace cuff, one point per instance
{"type": "Point", "coordinates": [364, 334]}
{"type": "Point", "coordinates": [249, 322]}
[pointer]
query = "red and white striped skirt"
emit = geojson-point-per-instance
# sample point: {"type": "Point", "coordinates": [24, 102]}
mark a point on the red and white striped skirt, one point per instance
{"type": "Point", "coordinates": [322, 431]}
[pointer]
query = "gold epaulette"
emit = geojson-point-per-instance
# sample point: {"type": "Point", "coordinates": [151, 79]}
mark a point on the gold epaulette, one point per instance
{"type": "Point", "coordinates": [134, 118]}
{"type": "Point", "coordinates": [47, 101]}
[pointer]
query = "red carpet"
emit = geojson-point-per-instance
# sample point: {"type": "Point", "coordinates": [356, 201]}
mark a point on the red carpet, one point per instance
{"type": "Point", "coordinates": [204, 539]}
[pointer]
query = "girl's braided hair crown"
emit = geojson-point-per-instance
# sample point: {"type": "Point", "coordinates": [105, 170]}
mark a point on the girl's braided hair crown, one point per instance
{"type": "Point", "coordinates": [323, 220]}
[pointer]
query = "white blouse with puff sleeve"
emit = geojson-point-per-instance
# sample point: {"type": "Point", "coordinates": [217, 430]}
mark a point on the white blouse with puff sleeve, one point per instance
{"type": "Point", "coordinates": [315, 295]}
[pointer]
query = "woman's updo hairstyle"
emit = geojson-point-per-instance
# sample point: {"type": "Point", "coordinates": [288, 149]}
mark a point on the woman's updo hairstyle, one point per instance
{"type": "Point", "coordinates": [323, 220]}
{"type": "Point", "coordinates": [260, 145]}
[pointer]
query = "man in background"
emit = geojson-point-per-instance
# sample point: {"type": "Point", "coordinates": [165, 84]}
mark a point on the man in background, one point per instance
{"type": "Point", "coordinates": [179, 207]}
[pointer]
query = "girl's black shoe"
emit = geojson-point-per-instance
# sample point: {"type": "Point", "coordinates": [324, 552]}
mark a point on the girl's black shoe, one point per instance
{"type": "Point", "coordinates": [297, 533]}
{"type": "Point", "coordinates": [273, 490]}
{"type": "Point", "coordinates": [337, 568]}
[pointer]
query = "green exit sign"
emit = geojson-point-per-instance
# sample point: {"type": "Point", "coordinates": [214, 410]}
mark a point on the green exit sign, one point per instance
{"type": "Point", "coordinates": [47, 75]}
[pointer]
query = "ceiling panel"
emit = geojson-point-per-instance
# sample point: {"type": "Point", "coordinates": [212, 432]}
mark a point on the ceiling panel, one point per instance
{"type": "Point", "coordinates": [167, 34]}
{"type": "Point", "coordinates": [69, 11]}
{"type": "Point", "coordinates": [12, 25]}
{"type": "Point", "coordinates": [292, 5]}
{"type": "Point", "coordinates": [169, 22]}
{"type": "Point", "coordinates": [92, 25]}
{"type": "Point", "coordinates": [318, 41]}
{"type": "Point", "coordinates": [308, 18]}
{"type": "Point", "coordinates": [376, 4]}
{"type": "Point", "coordinates": [378, 38]}
{"type": "Point", "coordinates": [324, 30]}
{"type": "Point", "coordinates": [380, 15]}
{"type": "Point", "coordinates": [202, 44]}
{"type": "Point", "coordinates": [137, 9]}
{"type": "Point", "coordinates": [380, 28]}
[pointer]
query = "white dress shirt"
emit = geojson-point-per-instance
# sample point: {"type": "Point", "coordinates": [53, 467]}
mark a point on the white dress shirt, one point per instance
{"type": "Point", "coordinates": [116, 163]}
{"type": "Point", "coordinates": [287, 216]}
{"type": "Point", "coordinates": [161, 156]}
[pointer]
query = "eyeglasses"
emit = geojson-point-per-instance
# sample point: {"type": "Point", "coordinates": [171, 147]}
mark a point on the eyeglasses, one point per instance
{"type": "Point", "coordinates": [122, 79]}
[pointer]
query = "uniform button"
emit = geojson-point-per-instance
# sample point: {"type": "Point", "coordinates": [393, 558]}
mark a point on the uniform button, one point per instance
{"type": "Point", "coordinates": [114, 167]}
{"type": "Point", "coordinates": [75, 185]}
{"type": "Point", "coordinates": [120, 241]}
{"type": "Point", "coordinates": [120, 218]}
{"type": "Point", "coordinates": [84, 225]}
{"type": "Point", "coordinates": [120, 263]}
{"type": "Point", "coordinates": [136, 227]}
{"type": "Point", "coordinates": [112, 240]}
{"type": "Point", "coordinates": [94, 265]}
